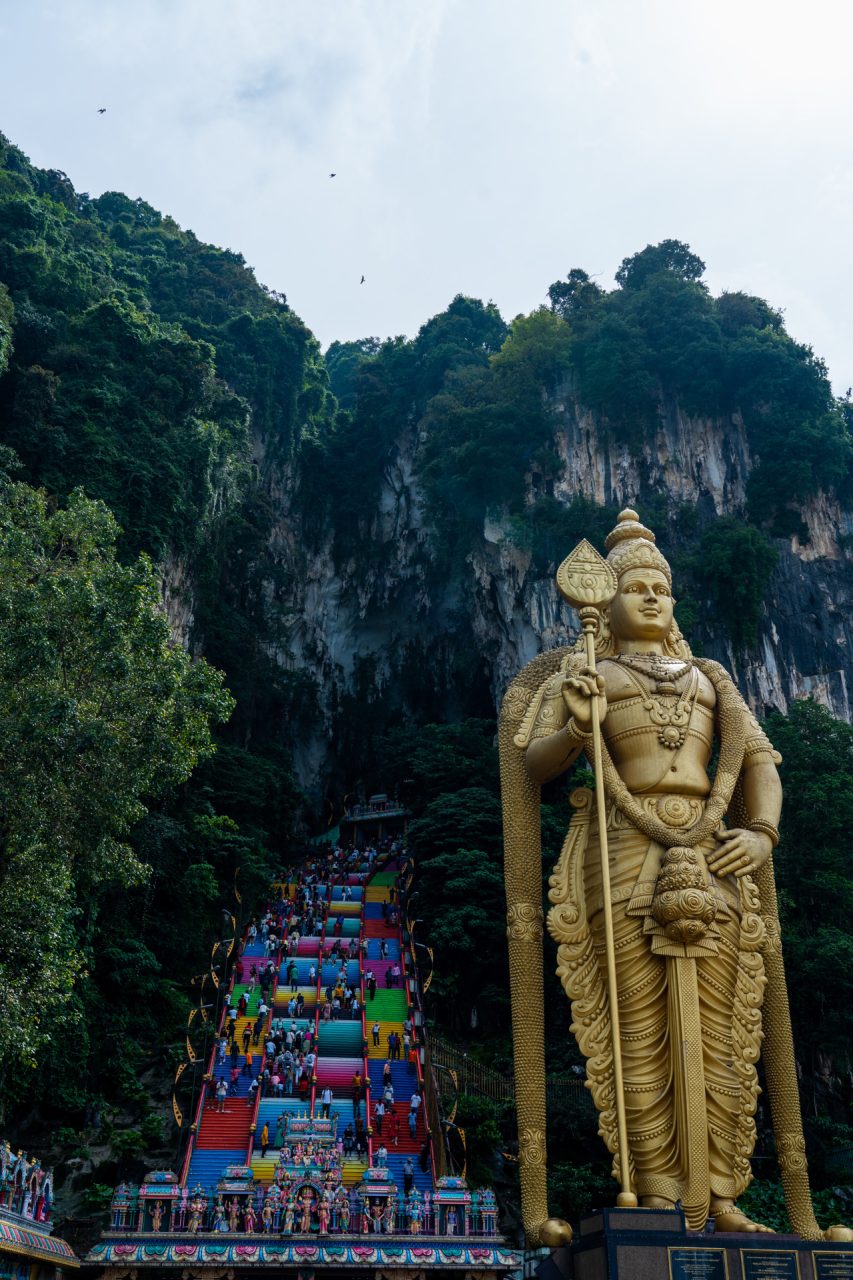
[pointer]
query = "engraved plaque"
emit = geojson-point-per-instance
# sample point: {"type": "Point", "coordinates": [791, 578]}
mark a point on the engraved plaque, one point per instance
{"type": "Point", "coordinates": [697, 1264]}
{"type": "Point", "coordinates": [770, 1264]}
{"type": "Point", "coordinates": [833, 1266]}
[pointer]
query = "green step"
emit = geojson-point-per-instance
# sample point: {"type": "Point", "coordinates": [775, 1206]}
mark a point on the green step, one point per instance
{"type": "Point", "coordinates": [386, 1006]}
{"type": "Point", "coordinates": [383, 878]}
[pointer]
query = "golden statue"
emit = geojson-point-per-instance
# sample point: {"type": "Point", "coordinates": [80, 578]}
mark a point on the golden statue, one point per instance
{"type": "Point", "coordinates": [666, 906]}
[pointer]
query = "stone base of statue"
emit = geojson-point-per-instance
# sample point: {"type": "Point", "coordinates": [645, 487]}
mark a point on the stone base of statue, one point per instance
{"type": "Point", "coordinates": [654, 1244]}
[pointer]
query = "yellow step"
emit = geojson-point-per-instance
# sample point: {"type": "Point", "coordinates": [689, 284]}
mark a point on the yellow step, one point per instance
{"type": "Point", "coordinates": [378, 893]}
{"type": "Point", "coordinates": [352, 1171]}
{"type": "Point", "coordinates": [385, 1029]}
{"type": "Point", "coordinates": [283, 994]}
{"type": "Point", "coordinates": [263, 1167]}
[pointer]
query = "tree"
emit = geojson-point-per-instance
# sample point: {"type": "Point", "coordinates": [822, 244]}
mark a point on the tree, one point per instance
{"type": "Point", "coordinates": [673, 256]}
{"type": "Point", "coordinates": [813, 873]}
{"type": "Point", "coordinates": [7, 315]}
{"type": "Point", "coordinates": [736, 560]}
{"type": "Point", "coordinates": [575, 296]}
{"type": "Point", "coordinates": [469, 818]}
{"type": "Point", "coordinates": [99, 712]}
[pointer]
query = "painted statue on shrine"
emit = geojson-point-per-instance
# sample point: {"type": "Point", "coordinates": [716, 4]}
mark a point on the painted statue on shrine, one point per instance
{"type": "Point", "coordinates": [663, 901]}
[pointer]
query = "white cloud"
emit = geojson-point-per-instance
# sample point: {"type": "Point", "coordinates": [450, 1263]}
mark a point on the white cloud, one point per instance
{"type": "Point", "coordinates": [482, 146]}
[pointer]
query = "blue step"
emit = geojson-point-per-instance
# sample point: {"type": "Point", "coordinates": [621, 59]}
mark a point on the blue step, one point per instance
{"type": "Point", "coordinates": [343, 1108]}
{"type": "Point", "coordinates": [206, 1166]}
{"type": "Point", "coordinates": [403, 1078]}
{"type": "Point", "coordinates": [374, 949]}
{"type": "Point", "coordinates": [303, 969]}
{"type": "Point", "coordinates": [222, 1071]}
{"type": "Point", "coordinates": [423, 1181]}
{"type": "Point", "coordinates": [331, 969]}
{"type": "Point", "coordinates": [253, 949]}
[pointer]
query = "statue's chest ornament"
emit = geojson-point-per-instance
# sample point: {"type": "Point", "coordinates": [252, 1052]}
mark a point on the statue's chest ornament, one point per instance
{"type": "Point", "coordinates": [667, 709]}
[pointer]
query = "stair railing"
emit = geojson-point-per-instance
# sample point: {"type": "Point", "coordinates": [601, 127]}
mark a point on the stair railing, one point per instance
{"type": "Point", "coordinates": [253, 1119]}
{"type": "Point", "coordinates": [365, 1070]}
{"type": "Point", "coordinates": [321, 961]}
{"type": "Point", "coordinates": [211, 1067]}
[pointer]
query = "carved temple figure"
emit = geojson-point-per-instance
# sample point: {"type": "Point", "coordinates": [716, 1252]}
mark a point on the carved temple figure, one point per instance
{"type": "Point", "coordinates": [156, 1215]}
{"type": "Point", "coordinates": [695, 930]}
{"type": "Point", "coordinates": [307, 1202]}
{"type": "Point", "coordinates": [289, 1212]}
{"type": "Point", "coordinates": [233, 1214]}
{"type": "Point", "coordinates": [324, 1214]}
{"type": "Point", "coordinates": [197, 1207]}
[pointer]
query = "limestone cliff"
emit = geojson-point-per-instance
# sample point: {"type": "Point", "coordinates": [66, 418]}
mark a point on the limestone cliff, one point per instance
{"type": "Point", "coordinates": [394, 615]}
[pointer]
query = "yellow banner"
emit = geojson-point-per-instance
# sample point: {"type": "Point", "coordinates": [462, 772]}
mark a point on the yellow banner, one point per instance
{"type": "Point", "coordinates": [190, 1051]}
{"type": "Point", "coordinates": [180, 1071]}
{"type": "Point", "coordinates": [178, 1114]}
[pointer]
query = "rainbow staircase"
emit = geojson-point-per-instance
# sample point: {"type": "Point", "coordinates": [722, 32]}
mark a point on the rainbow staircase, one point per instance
{"type": "Point", "coordinates": [233, 1136]}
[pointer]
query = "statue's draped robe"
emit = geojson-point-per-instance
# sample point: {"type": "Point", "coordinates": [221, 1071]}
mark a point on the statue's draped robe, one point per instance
{"type": "Point", "coordinates": [690, 1022]}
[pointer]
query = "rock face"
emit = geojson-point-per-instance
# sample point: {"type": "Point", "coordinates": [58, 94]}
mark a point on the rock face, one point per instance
{"type": "Point", "coordinates": [394, 624]}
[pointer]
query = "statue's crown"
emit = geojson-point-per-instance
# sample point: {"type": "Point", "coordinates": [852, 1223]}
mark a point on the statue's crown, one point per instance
{"type": "Point", "coordinates": [632, 546]}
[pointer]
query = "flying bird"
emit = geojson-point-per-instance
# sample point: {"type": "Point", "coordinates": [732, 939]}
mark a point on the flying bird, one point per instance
{"type": "Point", "coordinates": [361, 281]}
{"type": "Point", "coordinates": [333, 175]}
{"type": "Point", "coordinates": [102, 111]}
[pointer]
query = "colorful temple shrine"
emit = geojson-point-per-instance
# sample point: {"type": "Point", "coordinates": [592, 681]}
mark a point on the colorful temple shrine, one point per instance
{"type": "Point", "coordinates": [28, 1249]}
{"type": "Point", "coordinates": [312, 1148]}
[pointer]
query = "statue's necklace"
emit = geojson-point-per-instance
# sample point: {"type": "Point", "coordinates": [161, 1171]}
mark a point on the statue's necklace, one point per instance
{"type": "Point", "coordinates": [667, 710]}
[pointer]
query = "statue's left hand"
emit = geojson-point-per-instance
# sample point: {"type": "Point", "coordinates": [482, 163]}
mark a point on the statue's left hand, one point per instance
{"type": "Point", "coordinates": [740, 852]}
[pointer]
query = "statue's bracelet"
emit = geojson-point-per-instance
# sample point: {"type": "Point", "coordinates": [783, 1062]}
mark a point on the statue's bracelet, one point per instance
{"type": "Point", "coordinates": [574, 731]}
{"type": "Point", "coordinates": [766, 828]}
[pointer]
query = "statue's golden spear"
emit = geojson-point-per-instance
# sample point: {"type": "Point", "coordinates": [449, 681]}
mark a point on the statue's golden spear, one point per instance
{"type": "Point", "coordinates": [587, 582]}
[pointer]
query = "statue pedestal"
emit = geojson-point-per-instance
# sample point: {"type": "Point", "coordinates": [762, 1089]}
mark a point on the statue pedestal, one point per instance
{"type": "Point", "coordinates": [654, 1244]}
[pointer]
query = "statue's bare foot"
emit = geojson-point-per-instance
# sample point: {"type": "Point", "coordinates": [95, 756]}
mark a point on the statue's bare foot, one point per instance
{"type": "Point", "coordinates": [728, 1217]}
{"type": "Point", "coordinates": [656, 1202]}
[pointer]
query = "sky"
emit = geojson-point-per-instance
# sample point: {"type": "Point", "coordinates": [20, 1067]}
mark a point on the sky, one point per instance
{"type": "Point", "coordinates": [480, 146]}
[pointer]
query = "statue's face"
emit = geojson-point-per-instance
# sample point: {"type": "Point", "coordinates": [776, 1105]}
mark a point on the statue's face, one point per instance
{"type": "Point", "coordinates": [642, 606]}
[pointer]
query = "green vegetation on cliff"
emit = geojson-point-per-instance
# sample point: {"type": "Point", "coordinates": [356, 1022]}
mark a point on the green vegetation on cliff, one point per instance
{"type": "Point", "coordinates": [153, 372]}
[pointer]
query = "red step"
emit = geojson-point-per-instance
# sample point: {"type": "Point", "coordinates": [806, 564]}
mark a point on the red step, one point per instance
{"type": "Point", "coordinates": [405, 1144]}
{"type": "Point", "coordinates": [227, 1129]}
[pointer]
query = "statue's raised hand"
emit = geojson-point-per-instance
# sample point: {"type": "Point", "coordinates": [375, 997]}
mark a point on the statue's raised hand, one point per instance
{"type": "Point", "coordinates": [578, 692]}
{"type": "Point", "coordinates": [739, 852]}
